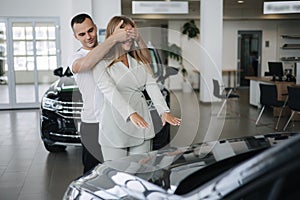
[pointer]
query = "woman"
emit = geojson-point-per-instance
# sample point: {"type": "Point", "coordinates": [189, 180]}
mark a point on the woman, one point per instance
{"type": "Point", "coordinates": [126, 125]}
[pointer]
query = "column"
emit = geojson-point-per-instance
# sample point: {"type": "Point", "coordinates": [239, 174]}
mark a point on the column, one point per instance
{"type": "Point", "coordinates": [211, 39]}
{"type": "Point", "coordinates": [78, 6]}
{"type": "Point", "coordinates": [104, 10]}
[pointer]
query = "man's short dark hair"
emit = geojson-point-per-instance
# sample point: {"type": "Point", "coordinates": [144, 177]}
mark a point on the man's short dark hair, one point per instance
{"type": "Point", "coordinates": [78, 19]}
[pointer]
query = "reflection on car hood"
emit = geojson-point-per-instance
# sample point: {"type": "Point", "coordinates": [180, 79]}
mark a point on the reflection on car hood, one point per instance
{"type": "Point", "coordinates": [160, 172]}
{"type": "Point", "coordinates": [256, 168]}
{"type": "Point", "coordinates": [65, 83]}
{"type": "Point", "coordinates": [64, 89]}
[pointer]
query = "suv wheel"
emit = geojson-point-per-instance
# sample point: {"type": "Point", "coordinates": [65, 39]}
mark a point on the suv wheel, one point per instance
{"type": "Point", "coordinates": [54, 148]}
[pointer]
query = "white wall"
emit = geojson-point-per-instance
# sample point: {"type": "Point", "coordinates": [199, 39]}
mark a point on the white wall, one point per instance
{"type": "Point", "coordinates": [230, 41]}
{"type": "Point", "coordinates": [190, 54]}
{"type": "Point", "coordinates": [44, 8]}
{"type": "Point", "coordinates": [103, 10]}
{"type": "Point", "coordinates": [66, 9]}
{"type": "Point", "coordinates": [291, 28]}
{"type": "Point", "coordinates": [76, 7]}
{"type": "Point", "coordinates": [27, 77]}
{"type": "Point", "coordinates": [271, 31]}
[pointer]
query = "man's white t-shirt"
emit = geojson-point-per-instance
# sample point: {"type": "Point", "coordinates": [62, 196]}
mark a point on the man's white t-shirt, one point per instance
{"type": "Point", "coordinates": [91, 95]}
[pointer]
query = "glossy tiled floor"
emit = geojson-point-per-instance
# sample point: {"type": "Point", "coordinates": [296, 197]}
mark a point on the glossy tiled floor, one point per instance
{"type": "Point", "coordinates": [29, 172]}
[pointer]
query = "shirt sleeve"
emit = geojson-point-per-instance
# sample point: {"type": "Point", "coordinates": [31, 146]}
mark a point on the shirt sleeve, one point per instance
{"type": "Point", "coordinates": [156, 95]}
{"type": "Point", "coordinates": [72, 59]}
{"type": "Point", "coordinates": [110, 91]}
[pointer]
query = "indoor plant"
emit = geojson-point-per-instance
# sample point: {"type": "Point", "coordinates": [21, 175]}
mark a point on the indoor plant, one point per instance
{"type": "Point", "coordinates": [175, 52]}
{"type": "Point", "coordinates": [190, 29]}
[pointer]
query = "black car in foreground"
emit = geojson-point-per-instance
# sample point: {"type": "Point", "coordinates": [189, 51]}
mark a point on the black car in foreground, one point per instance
{"type": "Point", "coordinates": [253, 167]}
{"type": "Point", "coordinates": [62, 103]}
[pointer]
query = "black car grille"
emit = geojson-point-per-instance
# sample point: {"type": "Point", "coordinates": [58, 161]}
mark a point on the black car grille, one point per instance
{"type": "Point", "coordinates": [66, 109]}
{"type": "Point", "coordinates": [70, 109]}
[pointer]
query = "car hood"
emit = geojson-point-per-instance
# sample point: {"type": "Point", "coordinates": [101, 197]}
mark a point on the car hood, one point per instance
{"type": "Point", "coordinates": [64, 84]}
{"type": "Point", "coordinates": [160, 172]}
{"type": "Point", "coordinates": [64, 89]}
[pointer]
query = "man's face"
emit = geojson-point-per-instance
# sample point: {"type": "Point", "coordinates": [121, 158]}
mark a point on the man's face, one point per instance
{"type": "Point", "coordinates": [86, 33]}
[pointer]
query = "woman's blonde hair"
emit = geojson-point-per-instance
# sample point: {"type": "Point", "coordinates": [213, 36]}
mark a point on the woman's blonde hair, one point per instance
{"type": "Point", "coordinates": [116, 52]}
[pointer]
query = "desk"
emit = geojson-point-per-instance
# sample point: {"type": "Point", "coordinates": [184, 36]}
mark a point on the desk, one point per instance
{"type": "Point", "coordinates": [226, 71]}
{"type": "Point", "coordinates": [254, 95]}
{"type": "Point", "coordinates": [229, 71]}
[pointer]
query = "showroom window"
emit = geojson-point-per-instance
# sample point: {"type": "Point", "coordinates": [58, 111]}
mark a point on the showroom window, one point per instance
{"type": "Point", "coordinates": [29, 51]}
{"type": "Point", "coordinates": [34, 40]}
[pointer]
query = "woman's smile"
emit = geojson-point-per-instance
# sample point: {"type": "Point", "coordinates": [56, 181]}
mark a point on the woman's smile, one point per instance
{"type": "Point", "coordinates": [127, 45]}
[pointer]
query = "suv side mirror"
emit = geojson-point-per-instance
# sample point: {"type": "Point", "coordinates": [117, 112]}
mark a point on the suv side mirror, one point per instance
{"type": "Point", "coordinates": [58, 72]}
{"type": "Point", "coordinates": [171, 71]}
{"type": "Point", "coordinates": [68, 72]}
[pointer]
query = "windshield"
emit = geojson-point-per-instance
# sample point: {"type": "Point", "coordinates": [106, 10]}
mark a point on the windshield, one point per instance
{"type": "Point", "coordinates": [156, 63]}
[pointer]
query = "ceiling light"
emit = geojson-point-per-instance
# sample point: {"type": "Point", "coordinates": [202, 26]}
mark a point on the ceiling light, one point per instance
{"type": "Point", "coordinates": [240, 1]}
{"type": "Point", "coordinates": [160, 7]}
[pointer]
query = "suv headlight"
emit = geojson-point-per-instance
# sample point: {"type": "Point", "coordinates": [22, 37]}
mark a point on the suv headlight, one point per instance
{"type": "Point", "coordinates": [50, 104]}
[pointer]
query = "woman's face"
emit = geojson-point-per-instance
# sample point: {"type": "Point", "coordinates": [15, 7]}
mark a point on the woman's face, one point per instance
{"type": "Point", "coordinates": [127, 44]}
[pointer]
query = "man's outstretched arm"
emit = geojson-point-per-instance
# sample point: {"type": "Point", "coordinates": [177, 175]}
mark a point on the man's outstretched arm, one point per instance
{"type": "Point", "coordinates": [96, 54]}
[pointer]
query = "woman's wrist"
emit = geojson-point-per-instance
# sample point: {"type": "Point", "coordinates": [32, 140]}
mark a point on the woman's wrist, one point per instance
{"type": "Point", "coordinates": [165, 112]}
{"type": "Point", "coordinates": [134, 113]}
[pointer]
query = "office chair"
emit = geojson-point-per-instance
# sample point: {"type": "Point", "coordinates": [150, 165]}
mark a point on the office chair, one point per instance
{"type": "Point", "coordinates": [293, 102]}
{"type": "Point", "coordinates": [224, 94]}
{"type": "Point", "coordinates": [268, 98]}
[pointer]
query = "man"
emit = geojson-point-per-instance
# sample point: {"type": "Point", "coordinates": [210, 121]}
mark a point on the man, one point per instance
{"type": "Point", "coordinates": [81, 63]}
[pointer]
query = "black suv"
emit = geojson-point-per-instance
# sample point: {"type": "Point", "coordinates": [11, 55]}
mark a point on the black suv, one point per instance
{"type": "Point", "coordinates": [62, 103]}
